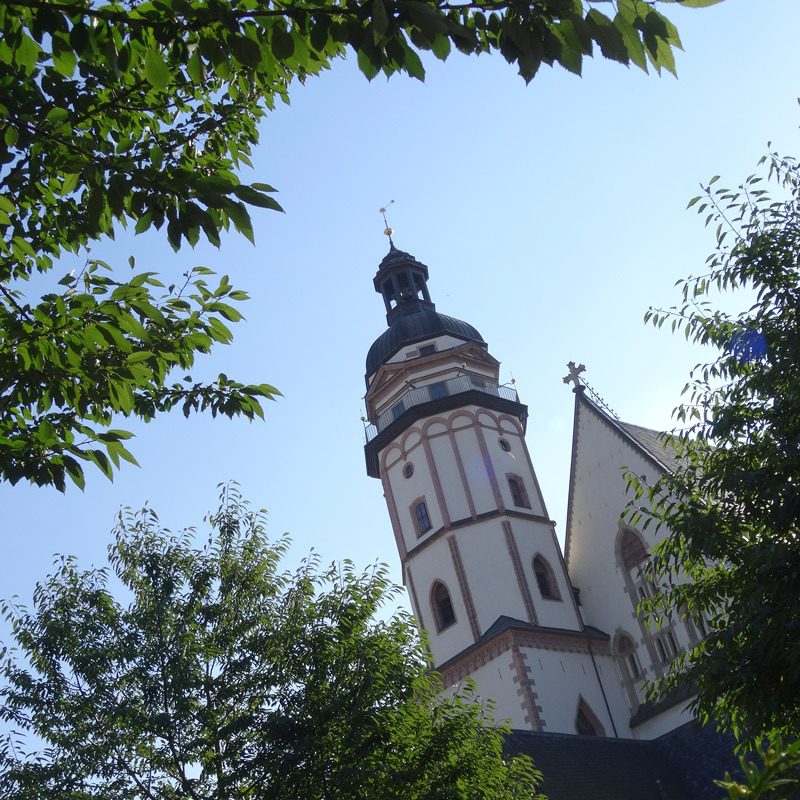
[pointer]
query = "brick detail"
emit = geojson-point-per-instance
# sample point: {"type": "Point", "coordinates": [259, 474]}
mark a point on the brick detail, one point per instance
{"type": "Point", "coordinates": [521, 673]}
{"type": "Point", "coordinates": [522, 581]}
{"type": "Point", "coordinates": [463, 584]}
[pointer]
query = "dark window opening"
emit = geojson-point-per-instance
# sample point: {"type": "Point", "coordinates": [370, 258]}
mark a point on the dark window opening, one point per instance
{"type": "Point", "coordinates": [438, 390]}
{"type": "Point", "coordinates": [398, 410]}
{"type": "Point", "coordinates": [518, 495]}
{"type": "Point", "coordinates": [427, 350]}
{"type": "Point", "coordinates": [505, 446]}
{"type": "Point", "coordinates": [662, 652]}
{"type": "Point", "coordinates": [545, 579]}
{"type": "Point", "coordinates": [583, 725]}
{"type": "Point", "coordinates": [626, 650]}
{"type": "Point", "coordinates": [423, 520]}
{"type": "Point", "coordinates": [442, 607]}
{"type": "Point", "coordinates": [479, 382]}
{"type": "Point", "coordinates": [408, 470]}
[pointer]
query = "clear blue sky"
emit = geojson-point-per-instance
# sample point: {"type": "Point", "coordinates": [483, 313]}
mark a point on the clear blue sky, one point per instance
{"type": "Point", "coordinates": [550, 216]}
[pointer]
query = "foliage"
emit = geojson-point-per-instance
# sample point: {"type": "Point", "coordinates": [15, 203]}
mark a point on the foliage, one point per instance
{"type": "Point", "coordinates": [221, 675]}
{"type": "Point", "coordinates": [731, 512]}
{"type": "Point", "coordinates": [777, 779]}
{"type": "Point", "coordinates": [140, 113]}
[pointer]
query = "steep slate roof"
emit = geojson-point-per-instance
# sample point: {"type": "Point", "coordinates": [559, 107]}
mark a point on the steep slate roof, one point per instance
{"type": "Point", "coordinates": [653, 443]}
{"type": "Point", "coordinates": [591, 768]}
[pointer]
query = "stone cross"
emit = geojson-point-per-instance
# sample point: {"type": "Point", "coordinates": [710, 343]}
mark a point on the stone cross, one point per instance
{"type": "Point", "coordinates": [574, 373]}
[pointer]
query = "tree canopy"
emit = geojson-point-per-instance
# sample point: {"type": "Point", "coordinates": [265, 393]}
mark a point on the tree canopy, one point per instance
{"type": "Point", "coordinates": [731, 511]}
{"type": "Point", "coordinates": [140, 114]}
{"type": "Point", "coordinates": [216, 673]}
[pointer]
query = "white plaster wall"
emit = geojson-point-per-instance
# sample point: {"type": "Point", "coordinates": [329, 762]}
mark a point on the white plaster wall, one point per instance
{"type": "Point", "coordinates": [432, 564]}
{"type": "Point", "coordinates": [534, 538]}
{"type": "Point", "coordinates": [449, 474]}
{"type": "Point", "coordinates": [490, 572]}
{"type": "Point", "coordinates": [475, 469]}
{"type": "Point", "coordinates": [598, 497]}
{"type": "Point", "coordinates": [495, 682]}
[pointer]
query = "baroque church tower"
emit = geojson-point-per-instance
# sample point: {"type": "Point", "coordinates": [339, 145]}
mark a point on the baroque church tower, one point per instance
{"type": "Point", "coordinates": [479, 553]}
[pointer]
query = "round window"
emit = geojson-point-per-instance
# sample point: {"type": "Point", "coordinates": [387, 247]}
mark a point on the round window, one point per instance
{"type": "Point", "coordinates": [505, 446]}
{"type": "Point", "coordinates": [408, 470]}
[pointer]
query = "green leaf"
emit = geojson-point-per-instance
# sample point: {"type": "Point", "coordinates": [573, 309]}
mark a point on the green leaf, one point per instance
{"type": "Point", "coordinates": [156, 70]}
{"type": "Point", "coordinates": [140, 355]}
{"type": "Point", "coordinates": [245, 50]}
{"type": "Point", "coordinates": [26, 53]}
{"type": "Point", "coordinates": [11, 135]}
{"type": "Point", "coordinates": [366, 64]}
{"type": "Point", "coordinates": [255, 198]}
{"type": "Point", "coordinates": [281, 43]}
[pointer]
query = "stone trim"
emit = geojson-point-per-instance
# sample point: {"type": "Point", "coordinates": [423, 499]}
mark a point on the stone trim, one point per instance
{"type": "Point", "coordinates": [521, 675]}
{"type": "Point", "coordinates": [563, 642]}
{"type": "Point", "coordinates": [437, 484]}
{"type": "Point", "coordinates": [394, 517]}
{"type": "Point", "coordinates": [519, 572]}
{"type": "Point", "coordinates": [463, 584]}
{"type": "Point", "coordinates": [462, 472]}
{"type": "Point", "coordinates": [465, 523]}
{"type": "Point", "coordinates": [490, 473]}
{"type": "Point", "coordinates": [412, 590]}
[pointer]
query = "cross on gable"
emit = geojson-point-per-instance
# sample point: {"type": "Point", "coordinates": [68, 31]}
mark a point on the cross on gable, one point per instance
{"type": "Point", "coordinates": [574, 375]}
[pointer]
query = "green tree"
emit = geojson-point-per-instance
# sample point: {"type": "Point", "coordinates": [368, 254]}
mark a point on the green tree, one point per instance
{"type": "Point", "coordinates": [731, 511]}
{"type": "Point", "coordinates": [141, 113]}
{"type": "Point", "coordinates": [217, 674]}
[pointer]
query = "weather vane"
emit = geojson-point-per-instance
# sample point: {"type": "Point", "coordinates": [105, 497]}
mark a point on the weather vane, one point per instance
{"type": "Point", "coordinates": [387, 230]}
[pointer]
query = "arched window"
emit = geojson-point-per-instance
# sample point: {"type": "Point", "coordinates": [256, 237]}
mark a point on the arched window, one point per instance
{"type": "Point", "coordinates": [518, 494]}
{"type": "Point", "coordinates": [545, 579]}
{"type": "Point", "coordinates": [626, 652]}
{"type": "Point", "coordinates": [632, 550]}
{"type": "Point", "coordinates": [442, 606]}
{"type": "Point", "coordinates": [586, 721]}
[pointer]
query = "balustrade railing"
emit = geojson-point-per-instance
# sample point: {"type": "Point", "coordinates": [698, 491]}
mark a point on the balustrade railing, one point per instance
{"type": "Point", "coordinates": [415, 396]}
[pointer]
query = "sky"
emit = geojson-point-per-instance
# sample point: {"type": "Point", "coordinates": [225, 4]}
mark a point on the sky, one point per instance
{"type": "Point", "coordinates": [550, 216]}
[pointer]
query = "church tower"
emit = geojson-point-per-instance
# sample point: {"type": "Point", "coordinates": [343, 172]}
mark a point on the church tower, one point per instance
{"type": "Point", "coordinates": [479, 553]}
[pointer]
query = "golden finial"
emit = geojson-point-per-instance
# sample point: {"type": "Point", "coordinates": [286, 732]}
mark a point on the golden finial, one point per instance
{"type": "Point", "coordinates": [388, 231]}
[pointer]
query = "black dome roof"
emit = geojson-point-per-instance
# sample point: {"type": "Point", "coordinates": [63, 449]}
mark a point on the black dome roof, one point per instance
{"type": "Point", "coordinates": [420, 324]}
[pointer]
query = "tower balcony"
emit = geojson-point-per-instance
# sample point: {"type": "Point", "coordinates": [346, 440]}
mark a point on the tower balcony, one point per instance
{"type": "Point", "coordinates": [434, 398]}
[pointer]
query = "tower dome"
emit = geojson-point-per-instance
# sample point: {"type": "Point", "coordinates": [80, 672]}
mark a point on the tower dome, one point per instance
{"type": "Point", "coordinates": [412, 317]}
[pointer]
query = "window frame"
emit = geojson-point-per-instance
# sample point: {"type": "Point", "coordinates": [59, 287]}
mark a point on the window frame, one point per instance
{"type": "Point", "coordinates": [417, 517]}
{"type": "Point", "coordinates": [519, 498]}
{"type": "Point", "coordinates": [548, 576]}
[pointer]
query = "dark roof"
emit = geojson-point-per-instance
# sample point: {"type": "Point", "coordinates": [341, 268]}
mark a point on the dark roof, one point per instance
{"type": "Point", "coordinates": [422, 323]}
{"type": "Point", "coordinates": [656, 443]}
{"type": "Point", "coordinates": [594, 768]}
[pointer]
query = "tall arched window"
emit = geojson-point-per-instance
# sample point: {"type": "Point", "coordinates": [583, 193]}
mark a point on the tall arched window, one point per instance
{"type": "Point", "coordinates": [626, 652]}
{"type": "Point", "coordinates": [518, 494]}
{"type": "Point", "coordinates": [442, 606]}
{"type": "Point", "coordinates": [632, 550]}
{"type": "Point", "coordinates": [545, 579]}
